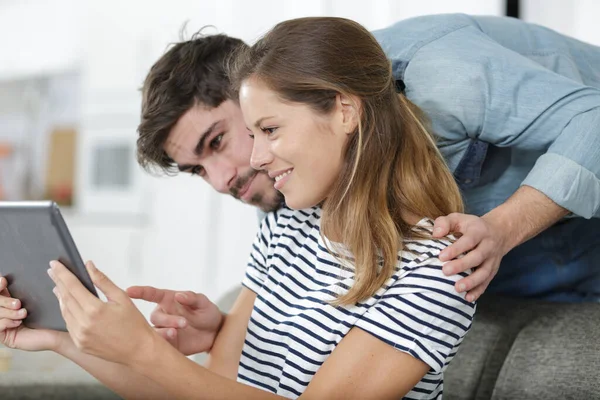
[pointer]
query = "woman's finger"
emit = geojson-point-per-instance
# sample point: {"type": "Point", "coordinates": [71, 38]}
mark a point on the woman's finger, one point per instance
{"type": "Point", "coordinates": [64, 310]}
{"type": "Point", "coordinates": [66, 300]}
{"type": "Point", "coordinates": [9, 324]}
{"type": "Point", "coordinates": [3, 287]}
{"type": "Point", "coordinates": [9, 302]}
{"type": "Point", "coordinates": [13, 314]}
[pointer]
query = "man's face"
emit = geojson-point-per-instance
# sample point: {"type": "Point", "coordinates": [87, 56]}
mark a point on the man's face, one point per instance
{"type": "Point", "coordinates": [214, 143]}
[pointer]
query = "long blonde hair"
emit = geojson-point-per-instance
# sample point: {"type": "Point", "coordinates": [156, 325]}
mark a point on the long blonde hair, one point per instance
{"type": "Point", "coordinates": [392, 166]}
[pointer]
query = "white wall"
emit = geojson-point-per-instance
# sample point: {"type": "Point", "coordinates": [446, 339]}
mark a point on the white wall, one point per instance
{"type": "Point", "coordinates": [577, 18]}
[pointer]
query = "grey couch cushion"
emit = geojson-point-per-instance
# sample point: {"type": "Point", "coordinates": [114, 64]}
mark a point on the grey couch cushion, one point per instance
{"type": "Point", "coordinates": [556, 356]}
{"type": "Point", "coordinates": [524, 349]}
{"type": "Point", "coordinates": [474, 370]}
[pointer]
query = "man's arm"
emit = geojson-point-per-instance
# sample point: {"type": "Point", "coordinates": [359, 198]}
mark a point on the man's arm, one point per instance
{"type": "Point", "coordinates": [504, 99]}
{"type": "Point", "coordinates": [487, 239]}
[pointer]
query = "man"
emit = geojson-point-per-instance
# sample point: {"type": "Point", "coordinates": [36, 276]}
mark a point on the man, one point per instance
{"type": "Point", "coordinates": [505, 122]}
{"type": "Point", "coordinates": [191, 124]}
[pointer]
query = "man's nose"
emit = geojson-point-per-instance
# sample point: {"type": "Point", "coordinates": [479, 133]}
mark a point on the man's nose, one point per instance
{"type": "Point", "coordinates": [261, 156]}
{"type": "Point", "coordinates": [221, 176]}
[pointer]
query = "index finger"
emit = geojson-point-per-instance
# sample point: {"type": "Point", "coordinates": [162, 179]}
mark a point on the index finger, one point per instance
{"type": "Point", "coordinates": [442, 226]}
{"type": "Point", "coordinates": [66, 281]}
{"type": "Point", "coordinates": [147, 293]}
{"type": "Point", "coordinates": [4, 287]}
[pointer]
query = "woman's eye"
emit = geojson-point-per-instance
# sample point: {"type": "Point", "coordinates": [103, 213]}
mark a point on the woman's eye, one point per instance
{"type": "Point", "coordinates": [216, 142]}
{"type": "Point", "coordinates": [269, 131]}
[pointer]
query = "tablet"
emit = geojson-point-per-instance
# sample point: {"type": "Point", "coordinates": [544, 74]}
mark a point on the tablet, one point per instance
{"type": "Point", "coordinates": [31, 235]}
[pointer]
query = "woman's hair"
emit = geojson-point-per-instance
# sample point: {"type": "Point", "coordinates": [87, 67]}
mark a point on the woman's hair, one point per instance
{"type": "Point", "coordinates": [391, 163]}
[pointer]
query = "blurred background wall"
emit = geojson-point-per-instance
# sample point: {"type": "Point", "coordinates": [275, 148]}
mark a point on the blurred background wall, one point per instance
{"type": "Point", "coordinates": [70, 73]}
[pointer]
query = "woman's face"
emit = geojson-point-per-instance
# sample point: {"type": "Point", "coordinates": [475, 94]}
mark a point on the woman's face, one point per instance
{"type": "Point", "coordinates": [300, 148]}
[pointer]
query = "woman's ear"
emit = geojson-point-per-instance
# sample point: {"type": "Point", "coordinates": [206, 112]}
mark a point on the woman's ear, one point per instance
{"type": "Point", "coordinates": [349, 107]}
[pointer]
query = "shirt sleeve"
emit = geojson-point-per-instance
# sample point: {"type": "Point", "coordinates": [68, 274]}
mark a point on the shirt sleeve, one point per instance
{"type": "Point", "coordinates": [473, 88]}
{"type": "Point", "coordinates": [257, 267]}
{"type": "Point", "coordinates": [421, 314]}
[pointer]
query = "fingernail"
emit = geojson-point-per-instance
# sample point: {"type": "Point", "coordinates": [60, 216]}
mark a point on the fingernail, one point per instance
{"type": "Point", "coordinates": [171, 333]}
{"type": "Point", "coordinates": [181, 323]}
{"type": "Point", "coordinates": [461, 287]}
{"type": "Point", "coordinates": [50, 273]}
{"type": "Point", "coordinates": [22, 311]}
{"type": "Point", "coordinates": [51, 263]}
{"type": "Point", "coordinates": [447, 271]}
{"type": "Point", "coordinates": [437, 230]}
{"type": "Point", "coordinates": [15, 303]}
{"type": "Point", "coordinates": [470, 298]}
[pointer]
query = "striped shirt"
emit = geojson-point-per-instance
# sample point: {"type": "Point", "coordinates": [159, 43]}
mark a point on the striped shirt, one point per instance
{"type": "Point", "coordinates": [293, 328]}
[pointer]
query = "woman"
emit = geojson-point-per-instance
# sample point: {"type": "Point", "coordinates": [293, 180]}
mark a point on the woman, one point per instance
{"type": "Point", "coordinates": [344, 295]}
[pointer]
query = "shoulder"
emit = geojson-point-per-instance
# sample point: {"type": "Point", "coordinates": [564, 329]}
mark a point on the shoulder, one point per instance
{"type": "Point", "coordinates": [423, 245]}
{"type": "Point", "coordinates": [421, 253]}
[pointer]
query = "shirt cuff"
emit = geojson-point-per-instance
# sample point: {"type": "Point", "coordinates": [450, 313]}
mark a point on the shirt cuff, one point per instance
{"type": "Point", "coordinates": [566, 183]}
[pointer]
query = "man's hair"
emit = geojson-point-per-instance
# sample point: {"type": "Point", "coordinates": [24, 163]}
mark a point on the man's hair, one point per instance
{"type": "Point", "coordinates": [392, 166]}
{"type": "Point", "coordinates": [190, 73]}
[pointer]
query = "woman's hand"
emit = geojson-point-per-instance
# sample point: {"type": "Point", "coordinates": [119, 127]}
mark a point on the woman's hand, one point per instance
{"type": "Point", "coordinates": [16, 336]}
{"type": "Point", "coordinates": [187, 320]}
{"type": "Point", "coordinates": [114, 330]}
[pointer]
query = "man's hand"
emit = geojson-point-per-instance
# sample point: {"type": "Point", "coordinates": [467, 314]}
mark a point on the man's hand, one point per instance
{"type": "Point", "coordinates": [487, 239]}
{"type": "Point", "coordinates": [187, 320]}
{"type": "Point", "coordinates": [484, 244]}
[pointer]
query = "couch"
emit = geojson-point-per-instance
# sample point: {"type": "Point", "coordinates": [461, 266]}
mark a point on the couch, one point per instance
{"type": "Point", "coordinates": [525, 349]}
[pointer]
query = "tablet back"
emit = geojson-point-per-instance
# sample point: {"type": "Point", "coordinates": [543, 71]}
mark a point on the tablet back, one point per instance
{"type": "Point", "coordinates": [31, 235]}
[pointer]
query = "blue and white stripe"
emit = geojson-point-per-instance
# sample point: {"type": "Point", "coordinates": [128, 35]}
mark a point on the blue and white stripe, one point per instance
{"type": "Point", "coordinates": [293, 329]}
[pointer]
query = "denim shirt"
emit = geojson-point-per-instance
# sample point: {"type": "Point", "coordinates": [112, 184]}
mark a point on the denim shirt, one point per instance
{"type": "Point", "coordinates": [511, 103]}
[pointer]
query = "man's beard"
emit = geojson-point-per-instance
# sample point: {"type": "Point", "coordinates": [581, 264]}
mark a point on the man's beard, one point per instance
{"type": "Point", "coordinates": [265, 201]}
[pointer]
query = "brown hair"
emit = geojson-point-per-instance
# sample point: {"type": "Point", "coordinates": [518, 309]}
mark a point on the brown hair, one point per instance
{"type": "Point", "coordinates": [392, 165]}
{"type": "Point", "coordinates": [190, 73]}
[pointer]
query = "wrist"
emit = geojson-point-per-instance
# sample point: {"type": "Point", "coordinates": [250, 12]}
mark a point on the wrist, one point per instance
{"type": "Point", "coordinates": [147, 353]}
{"type": "Point", "coordinates": [506, 229]}
{"type": "Point", "coordinates": [62, 344]}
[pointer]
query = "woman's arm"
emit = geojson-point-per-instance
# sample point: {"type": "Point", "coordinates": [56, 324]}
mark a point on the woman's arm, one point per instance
{"type": "Point", "coordinates": [223, 360]}
{"type": "Point", "coordinates": [119, 378]}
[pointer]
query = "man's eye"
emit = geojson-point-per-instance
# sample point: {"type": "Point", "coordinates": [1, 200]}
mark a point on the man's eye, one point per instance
{"type": "Point", "coordinates": [216, 142]}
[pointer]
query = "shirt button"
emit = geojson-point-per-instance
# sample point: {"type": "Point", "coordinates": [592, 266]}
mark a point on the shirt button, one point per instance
{"type": "Point", "coordinates": [468, 181]}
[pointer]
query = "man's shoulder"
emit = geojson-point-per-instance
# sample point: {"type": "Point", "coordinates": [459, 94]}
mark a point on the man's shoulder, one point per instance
{"type": "Point", "coordinates": [407, 36]}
